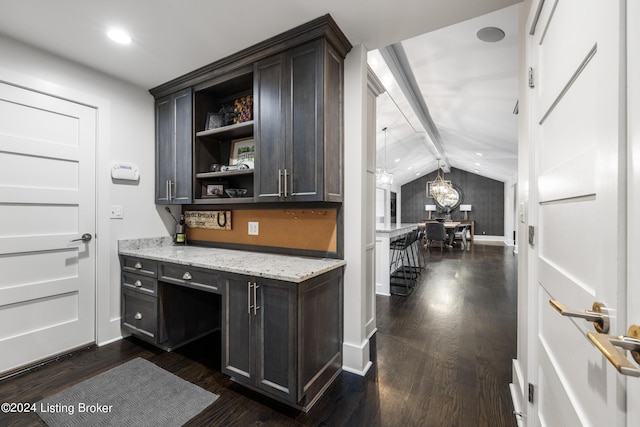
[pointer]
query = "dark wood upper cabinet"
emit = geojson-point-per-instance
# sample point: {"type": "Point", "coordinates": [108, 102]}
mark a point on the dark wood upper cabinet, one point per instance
{"type": "Point", "coordinates": [296, 81]}
{"type": "Point", "coordinates": [174, 136]}
{"type": "Point", "coordinates": [298, 133]}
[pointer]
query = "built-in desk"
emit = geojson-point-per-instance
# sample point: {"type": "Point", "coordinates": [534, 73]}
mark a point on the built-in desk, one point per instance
{"type": "Point", "coordinates": [279, 316]}
{"type": "Point", "coordinates": [384, 235]}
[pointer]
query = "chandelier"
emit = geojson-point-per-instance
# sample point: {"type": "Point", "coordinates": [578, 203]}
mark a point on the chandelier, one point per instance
{"type": "Point", "coordinates": [439, 189]}
{"type": "Point", "coordinates": [384, 178]}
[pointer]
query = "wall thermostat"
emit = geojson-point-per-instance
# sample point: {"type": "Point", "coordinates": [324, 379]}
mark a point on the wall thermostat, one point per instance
{"type": "Point", "coordinates": [126, 171]}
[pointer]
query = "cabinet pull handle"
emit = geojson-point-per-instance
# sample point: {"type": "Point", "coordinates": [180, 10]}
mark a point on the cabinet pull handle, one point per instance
{"type": "Point", "coordinates": [249, 297]}
{"type": "Point", "coordinates": [255, 299]}
{"type": "Point", "coordinates": [137, 283]}
{"type": "Point", "coordinates": [138, 265]}
{"type": "Point", "coordinates": [187, 276]}
{"type": "Point", "coordinates": [170, 190]}
{"type": "Point", "coordinates": [166, 189]}
{"type": "Point", "coordinates": [285, 183]}
{"type": "Point", "coordinates": [279, 182]}
{"type": "Point", "coordinates": [138, 316]}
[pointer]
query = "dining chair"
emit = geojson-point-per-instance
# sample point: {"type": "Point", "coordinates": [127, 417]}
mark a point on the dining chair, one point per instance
{"type": "Point", "coordinates": [461, 233]}
{"type": "Point", "coordinates": [435, 232]}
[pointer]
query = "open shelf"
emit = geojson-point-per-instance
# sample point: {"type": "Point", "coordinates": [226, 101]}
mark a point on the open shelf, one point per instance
{"type": "Point", "coordinates": [238, 130]}
{"type": "Point", "coordinates": [223, 200]}
{"type": "Point", "coordinates": [224, 174]}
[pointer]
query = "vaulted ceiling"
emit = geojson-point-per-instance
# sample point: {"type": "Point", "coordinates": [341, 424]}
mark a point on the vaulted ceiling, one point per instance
{"type": "Point", "coordinates": [468, 86]}
{"type": "Point", "coordinates": [469, 89]}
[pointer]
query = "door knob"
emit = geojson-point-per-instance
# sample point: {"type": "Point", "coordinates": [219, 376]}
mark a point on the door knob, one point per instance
{"type": "Point", "coordinates": [85, 238]}
{"type": "Point", "coordinates": [607, 345]}
{"type": "Point", "coordinates": [597, 315]}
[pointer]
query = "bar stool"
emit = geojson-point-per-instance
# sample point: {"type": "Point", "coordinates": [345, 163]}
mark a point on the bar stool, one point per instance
{"type": "Point", "coordinates": [404, 268]}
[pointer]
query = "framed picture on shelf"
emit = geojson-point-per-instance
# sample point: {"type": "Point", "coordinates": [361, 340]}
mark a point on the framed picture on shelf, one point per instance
{"type": "Point", "coordinates": [213, 190]}
{"type": "Point", "coordinates": [242, 150]}
{"type": "Point", "coordinates": [214, 120]}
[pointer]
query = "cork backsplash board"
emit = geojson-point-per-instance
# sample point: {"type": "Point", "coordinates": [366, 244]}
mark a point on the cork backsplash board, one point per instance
{"type": "Point", "coordinates": [307, 229]}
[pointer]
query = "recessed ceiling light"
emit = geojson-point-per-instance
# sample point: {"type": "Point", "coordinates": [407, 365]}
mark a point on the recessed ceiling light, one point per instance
{"type": "Point", "coordinates": [476, 171]}
{"type": "Point", "coordinates": [479, 154]}
{"type": "Point", "coordinates": [397, 160]}
{"type": "Point", "coordinates": [119, 36]}
{"type": "Point", "coordinates": [490, 34]}
{"type": "Point", "coordinates": [417, 173]}
{"type": "Point", "coordinates": [477, 164]}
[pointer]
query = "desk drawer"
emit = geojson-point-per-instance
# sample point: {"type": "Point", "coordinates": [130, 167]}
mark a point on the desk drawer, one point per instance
{"type": "Point", "coordinates": [140, 314]}
{"type": "Point", "coordinates": [142, 266]}
{"type": "Point", "coordinates": [138, 283]}
{"type": "Point", "coordinates": [192, 277]}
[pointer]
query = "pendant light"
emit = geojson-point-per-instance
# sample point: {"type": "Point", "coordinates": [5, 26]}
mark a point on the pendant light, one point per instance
{"type": "Point", "coordinates": [438, 188]}
{"type": "Point", "coordinates": [384, 178]}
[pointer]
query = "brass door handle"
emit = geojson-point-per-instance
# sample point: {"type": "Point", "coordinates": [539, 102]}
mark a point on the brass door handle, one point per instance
{"type": "Point", "coordinates": [597, 315]}
{"type": "Point", "coordinates": [607, 345]}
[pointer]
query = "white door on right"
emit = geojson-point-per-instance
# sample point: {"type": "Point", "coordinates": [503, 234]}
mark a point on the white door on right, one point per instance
{"type": "Point", "coordinates": [578, 153]}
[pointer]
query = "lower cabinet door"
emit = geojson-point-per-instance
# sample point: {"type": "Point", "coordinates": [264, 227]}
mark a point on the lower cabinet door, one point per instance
{"type": "Point", "coordinates": [140, 314]}
{"type": "Point", "coordinates": [276, 364]}
{"type": "Point", "coordinates": [237, 337]}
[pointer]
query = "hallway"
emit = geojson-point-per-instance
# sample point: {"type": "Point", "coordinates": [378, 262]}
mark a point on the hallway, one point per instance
{"type": "Point", "coordinates": [445, 352]}
{"type": "Point", "coordinates": [442, 357]}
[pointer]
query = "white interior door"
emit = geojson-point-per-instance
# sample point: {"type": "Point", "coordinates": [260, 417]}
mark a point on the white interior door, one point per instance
{"type": "Point", "coordinates": [580, 155]}
{"type": "Point", "coordinates": [633, 123]}
{"type": "Point", "coordinates": [47, 199]}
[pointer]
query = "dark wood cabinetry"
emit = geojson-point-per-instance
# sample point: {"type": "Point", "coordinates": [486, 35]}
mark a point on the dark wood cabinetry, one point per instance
{"type": "Point", "coordinates": [258, 339]}
{"type": "Point", "coordinates": [162, 303]}
{"type": "Point", "coordinates": [299, 125]}
{"type": "Point", "coordinates": [174, 136]}
{"type": "Point", "coordinates": [283, 338]}
{"type": "Point", "coordinates": [296, 83]}
{"type": "Point", "coordinates": [280, 338]}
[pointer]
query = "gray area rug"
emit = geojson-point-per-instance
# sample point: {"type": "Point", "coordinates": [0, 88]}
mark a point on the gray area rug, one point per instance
{"type": "Point", "coordinates": [137, 393]}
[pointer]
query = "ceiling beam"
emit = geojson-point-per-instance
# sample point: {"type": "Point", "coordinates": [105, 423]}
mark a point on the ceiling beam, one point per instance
{"type": "Point", "coordinates": [398, 63]}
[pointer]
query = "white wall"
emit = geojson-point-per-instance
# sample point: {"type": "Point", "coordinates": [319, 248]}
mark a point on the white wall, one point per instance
{"type": "Point", "coordinates": [125, 133]}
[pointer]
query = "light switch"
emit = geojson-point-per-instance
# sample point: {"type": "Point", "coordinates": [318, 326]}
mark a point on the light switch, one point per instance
{"type": "Point", "coordinates": [116, 212]}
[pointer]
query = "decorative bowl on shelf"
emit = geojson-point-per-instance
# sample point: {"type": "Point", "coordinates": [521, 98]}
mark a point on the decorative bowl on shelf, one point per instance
{"type": "Point", "coordinates": [236, 192]}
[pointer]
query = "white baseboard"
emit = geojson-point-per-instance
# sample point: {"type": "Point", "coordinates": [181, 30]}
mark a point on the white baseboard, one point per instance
{"type": "Point", "coordinates": [517, 410]}
{"type": "Point", "coordinates": [485, 238]}
{"type": "Point", "coordinates": [111, 333]}
{"type": "Point", "coordinates": [356, 358]}
{"type": "Point", "coordinates": [517, 393]}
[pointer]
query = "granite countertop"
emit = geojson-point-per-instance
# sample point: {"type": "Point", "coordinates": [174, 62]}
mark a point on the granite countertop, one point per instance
{"type": "Point", "coordinates": [289, 268]}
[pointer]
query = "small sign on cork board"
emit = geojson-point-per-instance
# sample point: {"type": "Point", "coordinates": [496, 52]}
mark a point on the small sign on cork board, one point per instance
{"type": "Point", "coordinates": [210, 220]}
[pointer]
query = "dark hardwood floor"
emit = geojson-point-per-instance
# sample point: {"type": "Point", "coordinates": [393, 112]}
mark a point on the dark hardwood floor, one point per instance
{"type": "Point", "coordinates": [442, 357]}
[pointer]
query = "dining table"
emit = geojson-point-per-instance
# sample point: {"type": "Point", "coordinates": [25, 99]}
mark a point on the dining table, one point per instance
{"type": "Point", "coordinates": [450, 228]}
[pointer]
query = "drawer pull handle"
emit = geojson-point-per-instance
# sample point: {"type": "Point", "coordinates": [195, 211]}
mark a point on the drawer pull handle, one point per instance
{"type": "Point", "coordinates": [137, 284]}
{"type": "Point", "coordinates": [138, 316]}
{"type": "Point", "coordinates": [187, 276]}
{"type": "Point", "coordinates": [138, 265]}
